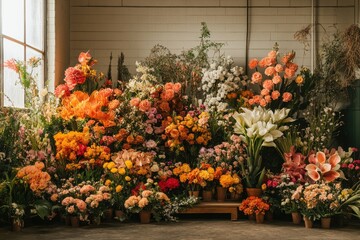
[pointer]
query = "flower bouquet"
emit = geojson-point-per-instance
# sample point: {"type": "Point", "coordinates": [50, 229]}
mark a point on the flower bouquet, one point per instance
{"type": "Point", "coordinates": [258, 128]}
{"type": "Point", "coordinates": [254, 205]}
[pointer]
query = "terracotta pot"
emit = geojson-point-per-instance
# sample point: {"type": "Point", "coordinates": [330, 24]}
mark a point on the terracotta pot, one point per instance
{"type": "Point", "coordinates": [96, 220]}
{"type": "Point", "coordinates": [308, 222]}
{"type": "Point", "coordinates": [120, 215]}
{"type": "Point", "coordinates": [296, 217]}
{"type": "Point", "coordinates": [256, 192]}
{"type": "Point", "coordinates": [109, 214]}
{"type": "Point", "coordinates": [221, 194]}
{"type": "Point", "coordinates": [206, 195]}
{"type": "Point", "coordinates": [67, 220]}
{"type": "Point", "coordinates": [75, 221]}
{"type": "Point", "coordinates": [325, 222]}
{"type": "Point", "coordinates": [194, 193]}
{"type": "Point", "coordinates": [145, 216]}
{"type": "Point", "coordinates": [252, 217]}
{"type": "Point", "coordinates": [17, 225]}
{"type": "Point", "coordinates": [234, 196]}
{"type": "Point", "coordinates": [260, 218]}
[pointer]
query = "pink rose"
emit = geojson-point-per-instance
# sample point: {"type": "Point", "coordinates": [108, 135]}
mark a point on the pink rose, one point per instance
{"type": "Point", "coordinates": [74, 76]}
{"type": "Point", "coordinates": [62, 90]}
{"type": "Point", "coordinates": [253, 63]}
{"type": "Point", "coordinates": [256, 78]}
{"type": "Point", "coordinates": [287, 97]}
{"type": "Point", "coordinates": [270, 61]}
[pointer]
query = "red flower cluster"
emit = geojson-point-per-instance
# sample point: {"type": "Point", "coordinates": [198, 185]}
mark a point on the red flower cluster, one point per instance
{"type": "Point", "coordinates": [169, 184]}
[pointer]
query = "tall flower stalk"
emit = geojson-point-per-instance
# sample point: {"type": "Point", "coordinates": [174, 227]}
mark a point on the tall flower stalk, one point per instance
{"type": "Point", "coordinates": [258, 128]}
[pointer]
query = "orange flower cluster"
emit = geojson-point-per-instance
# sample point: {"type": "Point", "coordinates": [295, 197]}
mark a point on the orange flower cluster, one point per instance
{"type": "Point", "coordinates": [253, 205]}
{"type": "Point", "coordinates": [228, 180]}
{"type": "Point", "coordinates": [96, 155]}
{"type": "Point", "coordinates": [272, 83]}
{"type": "Point", "coordinates": [100, 105]}
{"type": "Point", "coordinates": [35, 177]}
{"type": "Point", "coordinates": [71, 145]}
{"type": "Point", "coordinates": [188, 129]}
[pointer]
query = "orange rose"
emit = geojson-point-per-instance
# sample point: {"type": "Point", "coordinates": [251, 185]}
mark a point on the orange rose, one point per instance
{"type": "Point", "coordinates": [279, 68]}
{"type": "Point", "coordinates": [276, 79]}
{"type": "Point", "coordinates": [275, 95]}
{"type": "Point", "coordinates": [287, 97]}
{"type": "Point", "coordinates": [164, 106]}
{"type": "Point", "coordinates": [114, 104]}
{"type": "Point", "coordinates": [135, 102]}
{"type": "Point", "coordinates": [168, 85]}
{"type": "Point", "coordinates": [144, 105]}
{"type": "Point", "coordinates": [253, 63]}
{"type": "Point", "coordinates": [256, 78]}
{"type": "Point", "coordinates": [289, 73]}
{"type": "Point", "coordinates": [177, 87]}
{"type": "Point", "coordinates": [269, 71]}
{"type": "Point", "coordinates": [174, 133]}
{"type": "Point", "coordinates": [268, 84]}
{"type": "Point", "coordinates": [168, 95]}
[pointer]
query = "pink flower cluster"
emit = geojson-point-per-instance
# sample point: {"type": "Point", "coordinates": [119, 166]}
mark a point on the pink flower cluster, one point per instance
{"type": "Point", "coordinates": [74, 206]}
{"type": "Point", "coordinates": [294, 166]}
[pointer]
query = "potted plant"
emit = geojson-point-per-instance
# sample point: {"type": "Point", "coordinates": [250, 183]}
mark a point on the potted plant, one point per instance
{"type": "Point", "coordinates": [254, 205]}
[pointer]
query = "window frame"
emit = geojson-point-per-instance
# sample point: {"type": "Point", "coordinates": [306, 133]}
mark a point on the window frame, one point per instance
{"type": "Point", "coordinates": [25, 46]}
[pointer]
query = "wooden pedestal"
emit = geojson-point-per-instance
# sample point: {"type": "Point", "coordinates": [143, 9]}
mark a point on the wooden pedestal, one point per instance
{"type": "Point", "coordinates": [216, 207]}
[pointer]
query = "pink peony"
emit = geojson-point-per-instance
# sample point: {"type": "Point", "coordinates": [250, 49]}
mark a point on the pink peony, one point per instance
{"type": "Point", "coordinates": [74, 76]}
{"type": "Point", "coordinates": [62, 90]}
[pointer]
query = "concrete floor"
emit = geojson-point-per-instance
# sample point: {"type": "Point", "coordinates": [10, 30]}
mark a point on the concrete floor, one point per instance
{"type": "Point", "coordinates": [199, 229]}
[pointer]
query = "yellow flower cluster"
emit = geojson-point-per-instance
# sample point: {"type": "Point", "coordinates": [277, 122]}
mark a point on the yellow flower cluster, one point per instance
{"type": "Point", "coordinates": [68, 144]}
{"type": "Point", "coordinates": [97, 154]}
{"type": "Point", "coordinates": [228, 180]}
{"type": "Point", "coordinates": [193, 130]}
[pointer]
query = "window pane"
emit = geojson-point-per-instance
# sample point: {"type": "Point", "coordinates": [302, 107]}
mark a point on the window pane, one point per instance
{"type": "Point", "coordinates": [38, 72]}
{"type": "Point", "coordinates": [35, 23]}
{"type": "Point", "coordinates": [12, 87]}
{"type": "Point", "coordinates": [12, 21]}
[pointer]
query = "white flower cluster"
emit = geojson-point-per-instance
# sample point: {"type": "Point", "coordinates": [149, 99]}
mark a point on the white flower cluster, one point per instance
{"type": "Point", "coordinates": [142, 85]}
{"type": "Point", "coordinates": [218, 81]}
{"type": "Point", "coordinates": [261, 123]}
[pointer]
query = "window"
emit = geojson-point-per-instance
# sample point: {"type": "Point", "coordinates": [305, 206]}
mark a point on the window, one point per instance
{"type": "Point", "coordinates": [22, 34]}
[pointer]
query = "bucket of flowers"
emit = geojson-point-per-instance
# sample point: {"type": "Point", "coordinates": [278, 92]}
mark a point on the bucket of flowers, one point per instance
{"type": "Point", "coordinates": [254, 206]}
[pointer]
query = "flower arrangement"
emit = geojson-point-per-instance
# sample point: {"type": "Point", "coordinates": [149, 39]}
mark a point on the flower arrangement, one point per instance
{"type": "Point", "coordinates": [258, 127]}
{"type": "Point", "coordinates": [254, 205]}
{"type": "Point", "coordinates": [147, 199]}
{"type": "Point", "coordinates": [319, 199]}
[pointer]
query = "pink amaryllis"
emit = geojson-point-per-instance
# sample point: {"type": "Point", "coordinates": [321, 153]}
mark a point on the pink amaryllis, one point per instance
{"type": "Point", "coordinates": [320, 167]}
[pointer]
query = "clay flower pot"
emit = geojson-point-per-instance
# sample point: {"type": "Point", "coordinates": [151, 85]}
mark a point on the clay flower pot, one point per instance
{"type": "Point", "coordinates": [260, 218]}
{"type": "Point", "coordinates": [145, 216]}
{"type": "Point", "coordinates": [221, 194]}
{"type": "Point", "coordinates": [296, 217]}
{"type": "Point", "coordinates": [256, 192]}
{"type": "Point", "coordinates": [325, 222]}
{"type": "Point", "coordinates": [206, 195]}
{"type": "Point", "coordinates": [308, 222]}
{"type": "Point", "coordinates": [75, 221]}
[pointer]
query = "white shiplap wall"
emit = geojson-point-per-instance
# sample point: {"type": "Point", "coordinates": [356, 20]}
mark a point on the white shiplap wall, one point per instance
{"type": "Point", "coordinates": [135, 26]}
